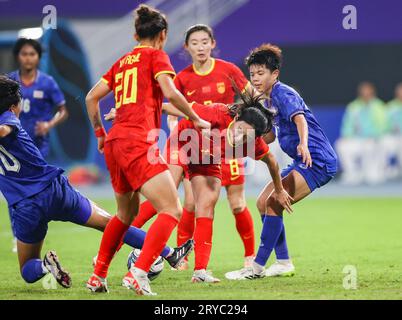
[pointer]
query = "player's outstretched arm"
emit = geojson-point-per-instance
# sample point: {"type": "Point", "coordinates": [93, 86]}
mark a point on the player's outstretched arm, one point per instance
{"type": "Point", "coordinates": [179, 101]}
{"type": "Point", "coordinates": [171, 110]}
{"type": "Point", "coordinates": [279, 193]}
{"type": "Point", "coordinates": [92, 99]}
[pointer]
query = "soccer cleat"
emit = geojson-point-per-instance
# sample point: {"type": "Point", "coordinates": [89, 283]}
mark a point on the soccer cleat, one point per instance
{"type": "Point", "coordinates": [97, 284]}
{"type": "Point", "coordinates": [281, 269]}
{"type": "Point", "coordinates": [245, 273]}
{"type": "Point", "coordinates": [138, 281]}
{"type": "Point", "coordinates": [182, 267]}
{"type": "Point", "coordinates": [248, 261]}
{"type": "Point", "coordinates": [204, 276]}
{"type": "Point", "coordinates": [52, 263]}
{"type": "Point", "coordinates": [179, 254]}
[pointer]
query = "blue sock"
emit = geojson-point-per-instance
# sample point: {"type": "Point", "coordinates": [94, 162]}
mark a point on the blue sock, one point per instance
{"type": "Point", "coordinates": [269, 236]}
{"type": "Point", "coordinates": [32, 270]}
{"type": "Point", "coordinates": [281, 247]}
{"type": "Point", "coordinates": [135, 238]}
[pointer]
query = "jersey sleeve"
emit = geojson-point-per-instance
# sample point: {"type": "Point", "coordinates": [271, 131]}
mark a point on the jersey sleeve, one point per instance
{"type": "Point", "coordinates": [161, 64]}
{"type": "Point", "coordinates": [107, 78]}
{"type": "Point", "coordinates": [56, 95]}
{"type": "Point", "coordinates": [291, 105]}
{"type": "Point", "coordinates": [238, 77]}
{"type": "Point", "coordinates": [261, 148]}
{"type": "Point", "coordinates": [9, 119]}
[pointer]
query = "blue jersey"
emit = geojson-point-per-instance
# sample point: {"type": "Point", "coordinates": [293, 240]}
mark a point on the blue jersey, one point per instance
{"type": "Point", "coordinates": [288, 103]}
{"type": "Point", "coordinates": [23, 171]}
{"type": "Point", "coordinates": [38, 102]}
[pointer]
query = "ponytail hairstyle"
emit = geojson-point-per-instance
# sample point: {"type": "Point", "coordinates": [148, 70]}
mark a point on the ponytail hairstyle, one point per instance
{"type": "Point", "coordinates": [9, 93]}
{"type": "Point", "coordinates": [149, 22]}
{"type": "Point", "coordinates": [252, 111]}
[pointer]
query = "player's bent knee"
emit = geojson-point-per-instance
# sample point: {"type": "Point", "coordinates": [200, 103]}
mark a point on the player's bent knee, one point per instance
{"type": "Point", "coordinates": [32, 271]}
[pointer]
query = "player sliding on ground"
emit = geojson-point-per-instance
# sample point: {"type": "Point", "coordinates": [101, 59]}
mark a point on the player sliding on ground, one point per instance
{"type": "Point", "coordinates": [38, 193]}
{"type": "Point", "coordinates": [301, 138]}
{"type": "Point", "coordinates": [139, 81]}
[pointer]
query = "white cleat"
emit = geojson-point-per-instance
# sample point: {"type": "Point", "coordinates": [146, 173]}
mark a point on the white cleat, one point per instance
{"type": "Point", "coordinates": [281, 269]}
{"type": "Point", "coordinates": [138, 281]}
{"type": "Point", "coordinates": [245, 273]}
{"type": "Point", "coordinates": [204, 276]}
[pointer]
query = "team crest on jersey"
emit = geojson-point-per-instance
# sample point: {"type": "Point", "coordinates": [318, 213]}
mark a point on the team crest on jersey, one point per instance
{"type": "Point", "coordinates": [220, 86]}
{"type": "Point", "coordinates": [38, 94]}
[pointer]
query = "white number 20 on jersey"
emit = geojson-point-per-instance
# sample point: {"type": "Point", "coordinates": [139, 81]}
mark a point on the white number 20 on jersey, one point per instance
{"type": "Point", "coordinates": [14, 166]}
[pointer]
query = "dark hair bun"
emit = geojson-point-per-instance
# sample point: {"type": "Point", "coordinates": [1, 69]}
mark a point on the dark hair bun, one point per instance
{"type": "Point", "coordinates": [145, 14]}
{"type": "Point", "coordinates": [149, 22]}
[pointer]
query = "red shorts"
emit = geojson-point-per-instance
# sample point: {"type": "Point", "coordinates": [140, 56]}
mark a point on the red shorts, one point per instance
{"type": "Point", "coordinates": [132, 163]}
{"type": "Point", "coordinates": [171, 154]}
{"type": "Point", "coordinates": [233, 172]}
{"type": "Point", "coordinates": [209, 170]}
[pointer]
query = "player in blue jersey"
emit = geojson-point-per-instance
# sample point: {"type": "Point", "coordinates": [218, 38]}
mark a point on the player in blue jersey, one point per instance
{"type": "Point", "coordinates": [301, 138]}
{"type": "Point", "coordinates": [43, 103]}
{"type": "Point", "coordinates": [38, 193]}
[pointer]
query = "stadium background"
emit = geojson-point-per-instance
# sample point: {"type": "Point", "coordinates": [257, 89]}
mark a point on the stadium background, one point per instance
{"type": "Point", "coordinates": [322, 60]}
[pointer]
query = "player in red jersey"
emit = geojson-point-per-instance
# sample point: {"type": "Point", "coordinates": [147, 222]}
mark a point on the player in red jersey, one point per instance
{"type": "Point", "coordinates": [206, 81]}
{"type": "Point", "coordinates": [236, 133]}
{"type": "Point", "coordinates": [139, 81]}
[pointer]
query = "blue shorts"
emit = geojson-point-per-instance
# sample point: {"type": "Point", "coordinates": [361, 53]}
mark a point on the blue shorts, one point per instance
{"type": "Point", "coordinates": [57, 202]}
{"type": "Point", "coordinates": [318, 175]}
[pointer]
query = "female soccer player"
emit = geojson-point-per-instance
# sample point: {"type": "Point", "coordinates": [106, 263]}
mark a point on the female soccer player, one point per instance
{"type": "Point", "coordinates": [40, 96]}
{"type": "Point", "coordinates": [240, 126]}
{"type": "Point", "coordinates": [301, 137]}
{"type": "Point", "coordinates": [208, 80]}
{"type": "Point", "coordinates": [38, 193]}
{"type": "Point", "coordinates": [139, 81]}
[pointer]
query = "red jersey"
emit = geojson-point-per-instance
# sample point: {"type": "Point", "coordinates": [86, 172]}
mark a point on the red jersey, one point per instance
{"type": "Point", "coordinates": [213, 86]}
{"type": "Point", "coordinates": [138, 96]}
{"type": "Point", "coordinates": [219, 117]}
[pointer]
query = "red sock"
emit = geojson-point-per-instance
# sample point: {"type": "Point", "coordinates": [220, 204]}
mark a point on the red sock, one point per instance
{"type": "Point", "coordinates": [203, 242]}
{"type": "Point", "coordinates": [155, 240]}
{"type": "Point", "coordinates": [185, 228]}
{"type": "Point", "coordinates": [111, 239]}
{"type": "Point", "coordinates": [145, 213]}
{"type": "Point", "coordinates": [245, 227]}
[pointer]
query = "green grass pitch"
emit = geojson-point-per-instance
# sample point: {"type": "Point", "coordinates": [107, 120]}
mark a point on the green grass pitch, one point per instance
{"type": "Point", "coordinates": [324, 236]}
